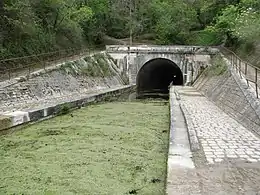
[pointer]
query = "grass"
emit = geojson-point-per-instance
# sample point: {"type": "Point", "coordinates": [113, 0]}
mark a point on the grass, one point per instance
{"type": "Point", "coordinates": [217, 68]}
{"type": "Point", "coordinates": [108, 149]}
{"type": "Point", "coordinates": [204, 37]}
{"type": "Point", "coordinates": [95, 66]}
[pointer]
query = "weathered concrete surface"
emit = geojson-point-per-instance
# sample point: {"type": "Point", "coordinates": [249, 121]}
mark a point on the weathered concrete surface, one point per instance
{"type": "Point", "coordinates": [179, 156]}
{"type": "Point", "coordinates": [162, 49]}
{"type": "Point", "coordinates": [179, 149]}
{"type": "Point", "coordinates": [227, 178]}
{"type": "Point", "coordinates": [188, 58]}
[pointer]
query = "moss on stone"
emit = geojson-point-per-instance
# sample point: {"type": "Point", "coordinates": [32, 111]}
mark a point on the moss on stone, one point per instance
{"type": "Point", "coordinates": [87, 59]}
{"type": "Point", "coordinates": [90, 70]}
{"type": "Point", "coordinates": [94, 66]}
{"type": "Point", "coordinates": [97, 66]}
{"type": "Point", "coordinates": [5, 122]}
{"type": "Point", "coordinates": [111, 59]}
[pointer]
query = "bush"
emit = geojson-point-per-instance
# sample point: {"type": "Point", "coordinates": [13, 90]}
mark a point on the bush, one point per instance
{"type": "Point", "coordinates": [204, 38]}
{"type": "Point", "coordinates": [217, 68]}
{"type": "Point", "coordinates": [65, 109]}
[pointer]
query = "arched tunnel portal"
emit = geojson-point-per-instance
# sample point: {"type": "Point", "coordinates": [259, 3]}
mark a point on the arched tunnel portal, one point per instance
{"type": "Point", "coordinates": [156, 75]}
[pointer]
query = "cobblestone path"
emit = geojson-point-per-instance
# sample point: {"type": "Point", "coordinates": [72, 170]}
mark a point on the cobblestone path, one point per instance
{"type": "Point", "coordinates": [220, 136]}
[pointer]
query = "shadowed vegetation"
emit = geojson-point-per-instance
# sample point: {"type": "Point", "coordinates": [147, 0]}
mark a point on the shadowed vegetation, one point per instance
{"type": "Point", "coordinates": [30, 27]}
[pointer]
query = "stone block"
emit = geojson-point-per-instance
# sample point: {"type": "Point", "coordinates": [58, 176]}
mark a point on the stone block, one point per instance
{"type": "Point", "coordinates": [19, 117]}
{"type": "Point", "coordinates": [49, 111]}
{"type": "Point", "coordinates": [36, 114]}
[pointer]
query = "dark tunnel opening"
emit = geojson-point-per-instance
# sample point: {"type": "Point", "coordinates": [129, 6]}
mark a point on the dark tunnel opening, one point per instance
{"type": "Point", "coordinates": [156, 75]}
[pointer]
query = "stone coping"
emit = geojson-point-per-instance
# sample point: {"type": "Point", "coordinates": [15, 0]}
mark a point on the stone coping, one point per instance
{"type": "Point", "coordinates": [19, 117]}
{"type": "Point", "coordinates": [194, 142]}
{"type": "Point", "coordinates": [162, 49]}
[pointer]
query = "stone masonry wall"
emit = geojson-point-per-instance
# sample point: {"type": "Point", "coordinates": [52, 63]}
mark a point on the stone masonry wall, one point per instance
{"type": "Point", "coordinates": [71, 78]}
{"type": "Point", "coordinates": [226, 93]}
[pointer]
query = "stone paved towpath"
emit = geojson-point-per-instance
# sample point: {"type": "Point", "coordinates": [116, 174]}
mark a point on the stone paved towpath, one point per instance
{"type": "Point", "coordinates": [227, 161]}
{"type": "Point", "coordinates": [220, 136]}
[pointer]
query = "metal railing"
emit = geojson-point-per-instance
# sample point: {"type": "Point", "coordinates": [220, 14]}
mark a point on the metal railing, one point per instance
{"type": "Point", "coordinates": [24, 66]}
{"type": "Point", "coordinates": [249, 71]}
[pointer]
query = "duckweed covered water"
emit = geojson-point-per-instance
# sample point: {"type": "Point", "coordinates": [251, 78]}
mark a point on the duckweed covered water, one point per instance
{"type": "Point", "coordinates": [108, 149]}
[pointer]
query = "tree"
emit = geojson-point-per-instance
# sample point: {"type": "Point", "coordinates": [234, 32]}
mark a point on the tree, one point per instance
{"type": "Point", "coordinates": [39, 26]}
{"type": "Point", "coordinates": [174, 20]}
{"type": "Point", "coordinates": [30, 26]}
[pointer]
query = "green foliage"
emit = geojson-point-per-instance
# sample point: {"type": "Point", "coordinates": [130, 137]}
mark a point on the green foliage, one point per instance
{"type": "Point", "coordinates": [64, 109]}
{"type": "Point", "coordinates": [217, 68]}
{"type": "Point", "coordinates": [172, 25]}
{"type": "Point", "coordinates": [5, 122]}
{"type": "Point", "coordinates": [204, 37]}
{"type": "Point", "coordinates": [239, 23]}
{"type": "Point", "coordinates": [247, 47]}
{"type": "Point", "coordinates": [252, 4]}
{"type": "Point", "coordinates": [30, 27]}
{"type": "Point", "coordinates": [247, 25]}
{"type": "Point", "coordinates": [94, 66]}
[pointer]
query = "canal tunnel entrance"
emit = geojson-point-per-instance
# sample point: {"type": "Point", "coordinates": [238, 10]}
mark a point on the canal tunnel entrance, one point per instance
{"type": "Point", "coordinates": [156, 75]}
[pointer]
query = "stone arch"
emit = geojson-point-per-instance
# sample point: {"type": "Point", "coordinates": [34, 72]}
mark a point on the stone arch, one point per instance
{"type": "Point", "coordinates": [156, 76]}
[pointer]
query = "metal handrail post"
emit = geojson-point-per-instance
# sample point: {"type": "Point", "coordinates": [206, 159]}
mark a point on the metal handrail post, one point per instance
{"type": "Point", "coordinates": [240, 68]}
{"type": "Point", "coordinates": [232, 58]}
{"type": "Point", "coordinates": [234, 61]}
{"type": "Point", "coordinates": [29, 68]}
{"type": "Point", "coordinates": [237, 64]}
{"type": "Point", "coordinates": [9, 74]}
{"type": "Point", "coordinates": [246, 74]}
